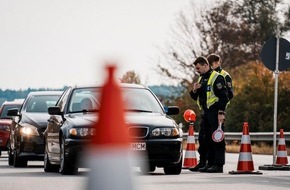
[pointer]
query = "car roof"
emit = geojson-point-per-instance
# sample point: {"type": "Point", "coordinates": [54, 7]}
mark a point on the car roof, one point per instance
{"type": "Point", "coordinates": [14, 102]}
{"type": "Point", "coordinates": [122, 85]}
{"type": "Point", "coordinates": [45, 93]}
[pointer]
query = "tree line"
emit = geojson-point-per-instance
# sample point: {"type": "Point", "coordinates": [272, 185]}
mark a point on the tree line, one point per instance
{"type": "Point", "coordinates": [10, 95]}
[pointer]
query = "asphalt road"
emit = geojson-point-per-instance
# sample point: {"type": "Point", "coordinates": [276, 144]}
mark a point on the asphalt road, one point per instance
{"type": "Point", "coordinates": [34, 178]}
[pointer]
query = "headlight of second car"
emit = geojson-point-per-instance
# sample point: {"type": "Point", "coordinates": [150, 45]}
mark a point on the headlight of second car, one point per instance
{"type": "Point", "coordinates": [29, 130]}
{"type": "Point", "coordinates": [82, 132]}
{"type": "Point", "coordinates": [168, 132]}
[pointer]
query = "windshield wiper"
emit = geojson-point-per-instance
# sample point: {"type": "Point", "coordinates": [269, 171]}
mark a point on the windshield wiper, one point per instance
{"type": "Point", "coordinates": [85, 110]}
{"type": "Point", "coordinates": [138, 110]}
{"type": "Point", "coordinates": [90, 110]}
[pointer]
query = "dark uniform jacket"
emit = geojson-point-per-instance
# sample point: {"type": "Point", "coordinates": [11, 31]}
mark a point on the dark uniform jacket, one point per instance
{"type": "Point", "coordinates": [229, 84]}
{"type": "Point", "coordinates": [220, 91]}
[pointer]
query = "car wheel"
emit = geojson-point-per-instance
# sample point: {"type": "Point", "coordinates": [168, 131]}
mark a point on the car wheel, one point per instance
{"type": "Point", "coordinates": [10, 158]}
{"type": "Point", "coordinates": [48, 167]}
{"type": "Point", "coordinates": [66, 168]}
{"type": "Point", "coordinates": [18, 161]}
{"type": "Point", "coordinates": [174, 170]}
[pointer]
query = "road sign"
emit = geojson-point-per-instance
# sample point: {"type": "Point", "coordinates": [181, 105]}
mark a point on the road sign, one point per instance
{"type": "Point", "coordinates": [268, 54]}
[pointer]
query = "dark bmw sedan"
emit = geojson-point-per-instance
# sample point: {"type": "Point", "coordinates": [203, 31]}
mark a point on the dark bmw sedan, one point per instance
{"type": "Point", "coordinates": [27, 127]}
{"type": "Point", "coordinates": [152, 131]}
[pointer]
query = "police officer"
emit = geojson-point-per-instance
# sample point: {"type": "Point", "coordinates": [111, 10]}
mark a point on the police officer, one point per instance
{"type": "Point", "coordinates": [210, 92]}
{"type": "Point", "coordinates": [214, 61]}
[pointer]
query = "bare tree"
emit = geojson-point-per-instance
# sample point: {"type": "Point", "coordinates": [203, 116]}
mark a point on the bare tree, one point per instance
{"type": "Point", "coordinates": [130, 77]}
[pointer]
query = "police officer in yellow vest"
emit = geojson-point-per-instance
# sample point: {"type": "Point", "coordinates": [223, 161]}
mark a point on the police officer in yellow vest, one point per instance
{"type": "Point", "coordinates": [214, 61]}
{"type": "Point", "coordinates": [211, 95]}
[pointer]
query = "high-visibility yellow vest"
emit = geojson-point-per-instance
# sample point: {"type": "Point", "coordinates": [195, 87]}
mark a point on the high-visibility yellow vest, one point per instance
{"type": "Point", "coordinates": [224, 73]}
{"type": "Point", "coordinates": [211, 98]}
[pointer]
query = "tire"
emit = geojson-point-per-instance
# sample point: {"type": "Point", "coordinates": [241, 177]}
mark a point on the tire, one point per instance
{"type": "Point", "coordinates": [48, 167]}
{"type": "Point", "coordinates": [66, 168]}
{"type": "Point", "coordinates": [174, 170]}
{"type": "Point", "coordinates": [10, 158]}
{"type": "Point", "coordinates": [18, 161]}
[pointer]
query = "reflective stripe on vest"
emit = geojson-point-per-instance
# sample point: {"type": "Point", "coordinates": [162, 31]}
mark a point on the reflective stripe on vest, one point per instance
{"type": "Point", "coordinates": [224, 73]}
{"type": "Point", "coordinates": [211, 98]}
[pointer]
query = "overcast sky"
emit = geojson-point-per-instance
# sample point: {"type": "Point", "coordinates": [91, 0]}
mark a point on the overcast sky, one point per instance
{"type": "Point", "coordinates": [52, 43]}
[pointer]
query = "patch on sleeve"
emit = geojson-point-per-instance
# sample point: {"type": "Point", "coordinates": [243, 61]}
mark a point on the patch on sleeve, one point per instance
{"type": "Point", "coordinates": [219, 85]}
{"type": "Point", "coordinates": [229, 84]}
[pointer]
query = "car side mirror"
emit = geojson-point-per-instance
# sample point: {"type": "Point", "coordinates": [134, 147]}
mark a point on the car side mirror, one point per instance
{"type": "Point", "coordinates": [172, 110]}
{"type": "Point", "coordinates": [12, 112]}
{"type": "Point", "coordinates": [54, 110]}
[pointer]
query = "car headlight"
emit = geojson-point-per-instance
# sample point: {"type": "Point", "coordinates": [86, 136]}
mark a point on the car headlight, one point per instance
{"type": "Point", "coordinates": [82, 132]}
{"type": "Point", "coordinates": [168, 132]}
{"type": "Point", "coordinates": [29, 130]}
{"type": "Point", "coordinates": [4, 128]}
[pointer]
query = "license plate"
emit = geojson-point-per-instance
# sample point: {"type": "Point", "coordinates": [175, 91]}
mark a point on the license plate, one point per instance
{"type": "Point", "coordinates": [138, 146]}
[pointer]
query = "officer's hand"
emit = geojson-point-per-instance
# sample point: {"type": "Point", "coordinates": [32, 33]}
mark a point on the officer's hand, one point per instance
{"type": "Point", "coordinates": [221, 118]}
{"type": "Point", "coordinates": [196, 86]}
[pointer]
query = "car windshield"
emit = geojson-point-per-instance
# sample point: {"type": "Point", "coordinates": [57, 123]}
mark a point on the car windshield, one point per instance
{"type": "Point", "coordinates": [84, 100]}
{"type": "Point", "coordinates": [135, 100]}
{"type": "Point", "coordinates": [141, 100]}
{"type": "Point", "coordinates": [5, 109]}
{"type": "Point", "coordinates": [40, 103]}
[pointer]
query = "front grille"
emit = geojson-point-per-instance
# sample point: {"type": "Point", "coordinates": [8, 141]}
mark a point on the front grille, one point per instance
{"type": "Point", "coordinates": [138, 132]}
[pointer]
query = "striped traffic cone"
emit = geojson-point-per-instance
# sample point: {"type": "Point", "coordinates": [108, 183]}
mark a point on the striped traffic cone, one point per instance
{"type": "Point", "coordinates": [190, 153]}
{"type": "Point", "coordinates": [245, 163]}
{"type": "Point", "coordinates": [109, 157]}
{"type": "Point", "coordinates": [282, 151]}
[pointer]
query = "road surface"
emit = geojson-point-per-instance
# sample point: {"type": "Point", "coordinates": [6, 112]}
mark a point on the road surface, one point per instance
{"type": "Point", "coordinates": [34, 178]}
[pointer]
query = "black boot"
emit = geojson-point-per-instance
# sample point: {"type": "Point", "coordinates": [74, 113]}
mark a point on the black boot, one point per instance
{"type": "Point", "coordinates": [201, 164]}
{"type": "Point", "coordinates": [205, 168]}
{"type": "Point", "coordinates": [215, 169]}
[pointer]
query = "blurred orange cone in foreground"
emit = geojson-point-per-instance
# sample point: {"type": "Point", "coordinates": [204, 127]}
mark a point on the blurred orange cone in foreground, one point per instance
{"type": "Point", "coordinates": [109, 158]}
{"type": "Point", "coordinates": [282, 151]}
{"type": "Point", "coordinates": [190, 153]}
{"type": "Point", "coordinates": [245, 163]}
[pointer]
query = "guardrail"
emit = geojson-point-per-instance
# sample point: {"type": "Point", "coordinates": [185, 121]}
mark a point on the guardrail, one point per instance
{"type": "Point", "coordinates": [236, 136]}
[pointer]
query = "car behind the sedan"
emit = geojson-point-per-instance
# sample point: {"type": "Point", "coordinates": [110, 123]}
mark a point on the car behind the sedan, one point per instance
{"type": "Point", "coordinates": [5, 122]}
{"type": "Point", "coordinates": [27, 127]}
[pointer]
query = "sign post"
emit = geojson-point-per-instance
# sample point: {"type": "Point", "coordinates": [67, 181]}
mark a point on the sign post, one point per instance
{"type": "Point", "coordinates": [276, 100]}
{"type": "Point", "coordinates": [276, 61]}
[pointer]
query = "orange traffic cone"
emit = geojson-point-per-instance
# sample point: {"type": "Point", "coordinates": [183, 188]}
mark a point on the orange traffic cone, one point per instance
{"type": "Point", "coordinates": [281, 161]}
{"type": "Point", "coordinates": [245, 163]}
{"type": "Point", "coordinates": [109, 158]}
{"type": "Point", "coordinates": [282, 151]}
{"type": "Point", "coordinates": [190, 153]}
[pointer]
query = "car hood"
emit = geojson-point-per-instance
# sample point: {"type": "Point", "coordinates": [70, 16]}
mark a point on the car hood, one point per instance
{"type": "Point", "coordinates": [35, 119]}
{"type": "Point", "coordinates": [149, 119]}
{"type": "Point", "coordinates": [81, 119]}
{"type": "Point", "coordinates": [145, 119]}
